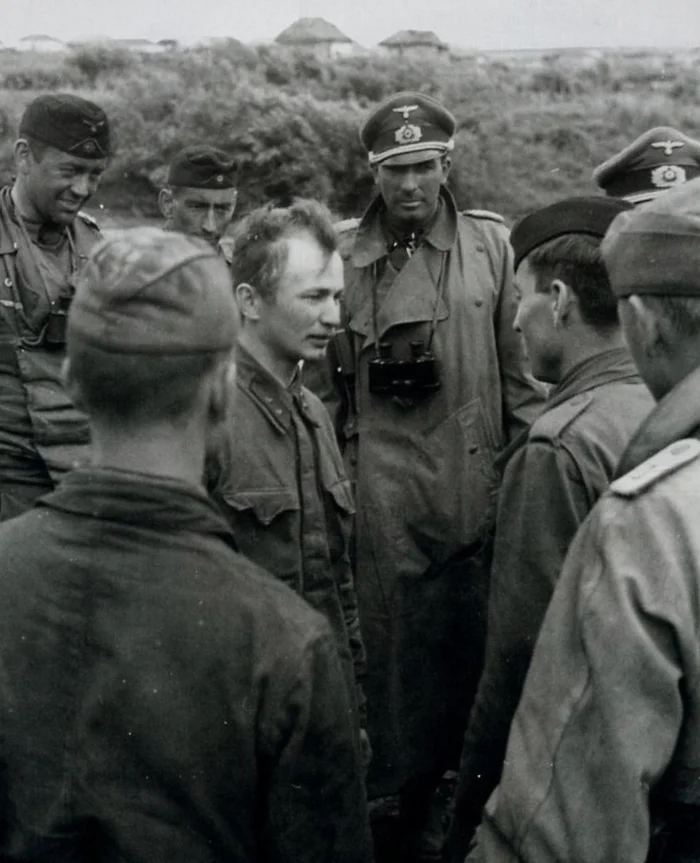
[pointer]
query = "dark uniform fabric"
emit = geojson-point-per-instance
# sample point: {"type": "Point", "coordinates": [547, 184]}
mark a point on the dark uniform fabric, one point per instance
{"type": "Point", "coordinates": [552, 480]}
{"type": "Point", "coordinates": [68, 123]}
{"type": "Point", "coordinates": [161, 697]}
{"type": "Point", "coordinates": [42, 435]}
{"type": "Point", "coordinates": [423, 468]}
{"type": "Point", "coordinates": [201, 166]}
{"type": "Point", "coordinates": [284, 492]}
{"type": "Point", "coordinates": [603, 760]}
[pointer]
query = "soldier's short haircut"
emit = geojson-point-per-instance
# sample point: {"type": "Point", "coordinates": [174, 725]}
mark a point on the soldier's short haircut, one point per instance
{"type": "Point", "coordinates": [576, 260]}
{"type": "Point", "coordinates": [259, 249]}
{"type": "Point", "coordinates": [678, 318]}
{"type": "Point", "coordinates": [38, 149]}
{"type": "Point", "coordinates": [133, 388]}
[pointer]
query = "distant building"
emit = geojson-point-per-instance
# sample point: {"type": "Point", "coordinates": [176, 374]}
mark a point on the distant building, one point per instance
{"type": "Point", "coordinates": [318, 36]}
{"type": "Point", "coordinates": [141, 46]}
{"type": "Point", "coordinates": [41, 43]}
{"type": "Point", "coordinates": [414, 43]}
{"type": "Point", "coordinates": [169, 44]}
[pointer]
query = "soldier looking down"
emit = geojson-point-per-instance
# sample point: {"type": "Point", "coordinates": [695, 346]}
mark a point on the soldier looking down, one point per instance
{"type": "Point", "coordinates": [433, 382]}
{"type": "Point", "coordinates": [200, 196]}
{"type": "Point", "coordinates": [61, 152]}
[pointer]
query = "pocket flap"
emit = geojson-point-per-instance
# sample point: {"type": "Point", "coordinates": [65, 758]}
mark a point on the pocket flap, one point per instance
{"type": "Point", "coordinates": [266, 503]}
{"type": "Point", "coordinates": [342, 495]}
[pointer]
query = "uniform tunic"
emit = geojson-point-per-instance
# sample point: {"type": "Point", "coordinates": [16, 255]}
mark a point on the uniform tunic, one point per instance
{"type": "Point", "coordinates": [559, 469]}
{"type": "Point", "coordinates": [285, 494]}
{"type": "Point", "coordinates": [164, 700]}
{"type": "Point", "coordinates": [42, 435]}
{"type": "Point", "coordinates": [425, 480]}
{"type": "Point", "coordinates": [603, 760]}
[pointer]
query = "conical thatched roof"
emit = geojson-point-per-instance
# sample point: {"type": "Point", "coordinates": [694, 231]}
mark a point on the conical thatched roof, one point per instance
{"type": "Point", "coordinates": [311, 31]}
{"type": "Point", "coordinates": [413, 38]}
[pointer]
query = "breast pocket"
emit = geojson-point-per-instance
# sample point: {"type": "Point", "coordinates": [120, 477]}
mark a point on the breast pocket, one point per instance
{"type": "Point", "coordinates": [266, 523]}
{"type": "Point", "coordinates": [453, 499]}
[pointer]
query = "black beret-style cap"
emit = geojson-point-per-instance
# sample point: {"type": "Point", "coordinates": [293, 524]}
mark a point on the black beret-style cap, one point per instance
{"type": "Point", "coordinates": [202, 167]}
{"type": "Point", "coordinates": [656, 161]}
{"type": "Point", "coordinates": [656, 248]}
{"type": "Point", "coordinates": [405, 127]}
{"type": "Point", "coordinates": [68, 123]}
{"type": "Point", "coordinates": [586, 215]}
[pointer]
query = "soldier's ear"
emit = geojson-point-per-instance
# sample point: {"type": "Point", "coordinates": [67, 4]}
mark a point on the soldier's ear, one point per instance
{"type": "Point", "coordinates": [563, 299]}
{"type": "Point", "coordinates": [23, 156]}
{"type": "Point", "coordinates": [249, 302]}
{"type": "Point", "coordinates": [166, 203]}
{"type": "Point", "coordinates": [446, 166]}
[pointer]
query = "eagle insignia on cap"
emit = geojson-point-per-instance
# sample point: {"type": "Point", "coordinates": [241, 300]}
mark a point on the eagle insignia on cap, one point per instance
{"type": "Point", "coordinates": [89, 147]}
{"type": "Point", "coordinates": [668, 146]}
{"type": "Point", "coordinates": [408, 134]}
{"type": "Point", "coordinates": [666, 176]}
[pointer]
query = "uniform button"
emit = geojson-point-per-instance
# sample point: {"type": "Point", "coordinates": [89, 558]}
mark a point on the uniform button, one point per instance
{"type": "Point", "coordinates": [268, 400]}
{"type": "Point", "coordinates": [478, 302]}
{"type": "Point", "coordinates": [473, 450]}
{"type": "Point", "coordinates": [278, 412]}
{"type": "Point", "coordinates": [480, 248]}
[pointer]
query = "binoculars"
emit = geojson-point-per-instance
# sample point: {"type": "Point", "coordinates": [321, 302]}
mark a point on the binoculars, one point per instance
{"type": "Point", "coordinates": [55, 332]}
{"type": "Point", "coordinates": [404, 378]}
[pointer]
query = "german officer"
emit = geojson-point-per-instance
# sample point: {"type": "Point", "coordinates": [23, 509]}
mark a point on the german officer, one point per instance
{"type": "Point", "coordinates": [433, 382]}
{"type": "Point", "coordinates": [603, 761]}
{"type": "Point", "coordinates": [557, 470]}
{"type": "Point", "coordinates": [656, 161]}
{"type": "Point", "coordinates": [200, 196]}
{"type": "Point", "coordinates": [61, 152]}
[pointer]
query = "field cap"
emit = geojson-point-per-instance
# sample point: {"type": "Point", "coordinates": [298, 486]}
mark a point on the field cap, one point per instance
{"type": "Point", "coordinates": [583, 215]}
{"type": "Point", "coordinates": [202, 167]}
{"type": "Point", "coordinates": [68, 123]}
{"type": "Point", "coordinates": [655, 249]}
{"type": "Point", "coordinates": [149, 291]}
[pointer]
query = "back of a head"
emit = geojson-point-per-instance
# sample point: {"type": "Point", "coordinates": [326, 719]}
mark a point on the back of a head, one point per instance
{"type": "Point", "coordinates": [151, 315]}
{"type": "Point", "coordinates": [654, 253]}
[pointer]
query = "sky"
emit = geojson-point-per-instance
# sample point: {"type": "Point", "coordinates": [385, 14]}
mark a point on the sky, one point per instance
{"type": "Point", "coordinates": [480, 24]}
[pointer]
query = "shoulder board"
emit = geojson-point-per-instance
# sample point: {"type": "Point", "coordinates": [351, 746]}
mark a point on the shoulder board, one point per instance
{"type": "Point", "coordinates": [88, 220]}
{"type": "Point", "coordinates": [662, 464]}
{"type": "Point", "coordinates": [484, 214]}
{"type": "Point", "coordinates": [551, 423]}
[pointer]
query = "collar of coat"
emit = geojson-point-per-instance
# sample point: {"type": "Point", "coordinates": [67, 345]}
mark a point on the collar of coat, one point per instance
{"type": "Point", "coordinates": [614, 365]}
{"type": "Point", "coordinates": [275, 401]}
{"type": "Point", "coordinates": [370, 241]}
{"type": "Point", "coordinates": [146, 501]}
{"type": "Point", "coordinates": [675, 417]}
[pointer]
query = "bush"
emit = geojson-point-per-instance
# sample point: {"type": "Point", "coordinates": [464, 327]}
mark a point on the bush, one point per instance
{"type": "Point", "coordinates": [528, 131]}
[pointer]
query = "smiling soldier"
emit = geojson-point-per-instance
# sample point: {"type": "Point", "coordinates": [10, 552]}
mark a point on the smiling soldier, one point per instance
{"type": "Point", "coordinates": [60, 155]}
{"type": "Point", "coordinates": [200, 196]}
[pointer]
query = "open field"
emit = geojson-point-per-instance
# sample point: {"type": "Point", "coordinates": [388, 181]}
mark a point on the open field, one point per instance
{"type": "Point", "coordinates": [531, 126]}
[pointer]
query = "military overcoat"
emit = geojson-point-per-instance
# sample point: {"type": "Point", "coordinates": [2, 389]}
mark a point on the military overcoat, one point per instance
{"type": "Point", "coordinates": [424, 471]}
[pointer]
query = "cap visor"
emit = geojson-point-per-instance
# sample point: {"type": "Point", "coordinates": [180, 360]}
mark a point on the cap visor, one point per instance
{"type": "Point", "coordinates": [412, 158]}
